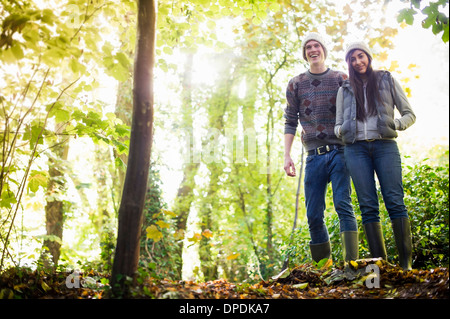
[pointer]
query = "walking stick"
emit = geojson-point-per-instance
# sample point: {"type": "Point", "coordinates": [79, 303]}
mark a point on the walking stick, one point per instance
{"type": "Point", "coordinates": [286, 260]}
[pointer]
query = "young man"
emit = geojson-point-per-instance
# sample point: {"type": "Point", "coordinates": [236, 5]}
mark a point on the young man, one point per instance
{"type": "Point", "coordinates": [311, 98]}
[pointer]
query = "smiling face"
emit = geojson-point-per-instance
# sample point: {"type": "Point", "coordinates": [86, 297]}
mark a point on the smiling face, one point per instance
{"type": "Point", "coordinates": [314, 52]}
{"type": "Point", "coordinates": [359, 61]}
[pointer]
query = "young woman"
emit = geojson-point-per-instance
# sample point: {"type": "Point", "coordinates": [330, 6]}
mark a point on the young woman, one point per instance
{"type": "Point", "coordinates": [365, 123]}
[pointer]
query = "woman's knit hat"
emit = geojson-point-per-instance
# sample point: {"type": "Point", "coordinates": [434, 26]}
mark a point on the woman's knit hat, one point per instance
{"type": "Point", "coordinates": [316, 37]}
{"type": "Point", "coordinates": [360, 45]}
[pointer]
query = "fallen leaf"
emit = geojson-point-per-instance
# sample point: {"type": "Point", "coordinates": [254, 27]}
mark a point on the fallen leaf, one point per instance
{"type": "Point", "coordinates": [45, 286]}
{"type": "Point", "coordinates": [300, 286]}
{"type": "Point", "coordinates": [327, 264]}
{"type": "Point", "coordinates": [284, 274]}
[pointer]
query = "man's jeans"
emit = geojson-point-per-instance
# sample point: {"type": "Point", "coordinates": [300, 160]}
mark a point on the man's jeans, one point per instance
{"type": "Point", "coordinates": [319, 171]}
{"type": "Point", "coordinates": [383, 158]}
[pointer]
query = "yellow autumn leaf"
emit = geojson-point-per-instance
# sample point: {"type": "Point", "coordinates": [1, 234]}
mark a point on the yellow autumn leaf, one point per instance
{"type": "Point", "coordinates": [383, 56]}
{"type": "Point", "coordinates": [354, 263]}
{"type": "Point", "coordinates": [168, 212]}
{"type": "Point", "coordinates": [162, 224]}
{"type": "Point", "coordinates": [207, 233]}
{"type": "Point", "coordinates": [153, 233]}
{"type": "Point", "coordinates": [328, 264]}
{"type": "Point", "coordinates": [394, 66]}
{"type": "Point", "coordinates": [156, 215]}
{"type": "Point", "coordinates": [179, 234]}
{"type": "Point", "coordinates": [233, 256]}
{"type": "Point", "coordinates": [195, 238]}
{"type": "Point", "coordinates": [408, 92]}
{"type": "Point", "coordinates": [45, 287]}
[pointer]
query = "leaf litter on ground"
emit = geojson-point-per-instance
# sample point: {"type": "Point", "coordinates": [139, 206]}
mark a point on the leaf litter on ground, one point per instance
{"type": "Point", "coordinates": [305, 281]}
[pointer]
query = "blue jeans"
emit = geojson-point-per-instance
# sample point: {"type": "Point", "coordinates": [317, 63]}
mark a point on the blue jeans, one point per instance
{"type": "Point", "coordinates": [382, 157]}
{"type": "Point", "coordinates": [319, 171]}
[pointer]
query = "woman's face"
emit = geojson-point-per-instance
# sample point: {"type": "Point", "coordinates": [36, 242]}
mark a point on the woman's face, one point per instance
{"type": "Point", "coordinates": [359, 61]}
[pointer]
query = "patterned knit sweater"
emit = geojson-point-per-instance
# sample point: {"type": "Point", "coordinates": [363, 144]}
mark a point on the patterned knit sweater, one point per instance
{"type": "Point", "coordinates": [312, 99]}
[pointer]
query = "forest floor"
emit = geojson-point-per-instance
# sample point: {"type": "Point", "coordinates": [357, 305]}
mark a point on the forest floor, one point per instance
{"type": "Point", "coordinates": [357, 280]}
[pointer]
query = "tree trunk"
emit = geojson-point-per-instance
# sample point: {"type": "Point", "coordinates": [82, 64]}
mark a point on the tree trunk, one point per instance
{"type": "Point", "coordinates": [208, 262]}
{"type": "Point", "coordinates": [219, 104]}
{"type": "Point", "coordinates": [54, 209]}
{"type": "Point", "coordinates": [185, 194]}
{"type": "Point", "coordinates": [135, 186]}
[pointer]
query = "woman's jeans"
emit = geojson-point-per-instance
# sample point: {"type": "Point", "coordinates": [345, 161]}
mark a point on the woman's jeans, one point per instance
{"type": "Point", "coordinates": [382, 157]}
{"type": "Point", "coordinates": [319, 171]}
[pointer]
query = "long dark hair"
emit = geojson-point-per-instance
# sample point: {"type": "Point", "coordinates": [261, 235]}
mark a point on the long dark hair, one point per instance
{"type": "Point", "coordinates": [371, 89]}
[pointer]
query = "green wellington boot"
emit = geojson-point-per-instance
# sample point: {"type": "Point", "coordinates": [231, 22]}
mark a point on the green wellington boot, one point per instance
{"type": "Point", "coordinates": [320, 251]}
{"type": "Point", "coordinates": [402, 233]}
{"type": "Point", "coordinates": [349, 241]}
{"type": "Point", "coordinates": [375, 239]}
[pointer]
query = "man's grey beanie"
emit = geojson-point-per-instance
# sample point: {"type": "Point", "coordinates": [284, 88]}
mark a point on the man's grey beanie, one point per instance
{"type": "Point", "coordinates": [316, 37]}
{"type": "Point", "coordinates": [360, 45]}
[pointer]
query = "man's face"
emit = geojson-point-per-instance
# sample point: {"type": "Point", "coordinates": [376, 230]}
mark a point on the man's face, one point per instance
{"type": "Point", "coordinates": [314, 52]}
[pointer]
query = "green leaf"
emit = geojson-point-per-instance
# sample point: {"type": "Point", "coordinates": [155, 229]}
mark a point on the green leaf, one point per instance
{"type": "Point", "coordinates": [62, 115]}
{"type": "Point", "coordinates": [123, 60]}
{"type": "Point", "coordinates": [211, 24]}
{"type": "Point", "coordinates": [167, 50]}
{"type": "Point", "coordinates": [274, 7]}
{"type": "Point", "coordinates": [445, 36]}
{"type": "Point", "coordinates": [300, 286]}
{"type": "Point", "coordinates": [248, 14]}
{"type": "Point", "coordinates": [8, 198]}
{"type": "Point", "coordinates": [406, 15]}
{"type": "Point", "coordinates": [35, 136]}
{"type": "Point", "coordinates": [256, 21]}
{"type": "Point", "coordinates": [122, 129]}
{"type": "Point", "coordinates": [261, 14]}
{"type": "Point", "coordinates": [37, 179]}
{"type": "Point", "coordinates": [437, 27]}
{"type": "Point", "coordinates": [48, 17]}
{"type": "Point", "coordinates": [8, 56]}
{"type": "Point", "coordinates": [77, 67]}
{"type": "Point", "coordinates": [17, 51]}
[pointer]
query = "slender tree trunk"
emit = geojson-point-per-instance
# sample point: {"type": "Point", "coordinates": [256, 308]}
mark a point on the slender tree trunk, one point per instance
{"type": "Point", "coordinates": [269, 209]}
{"type": "Point", "coordinates": [54, 209]}
{"type": "Point", "coordinates": [185, 195]}
{"type": "Point", "coordinates": [208, 263]}
{"type": "Point", "coordinates": [135, 186]}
